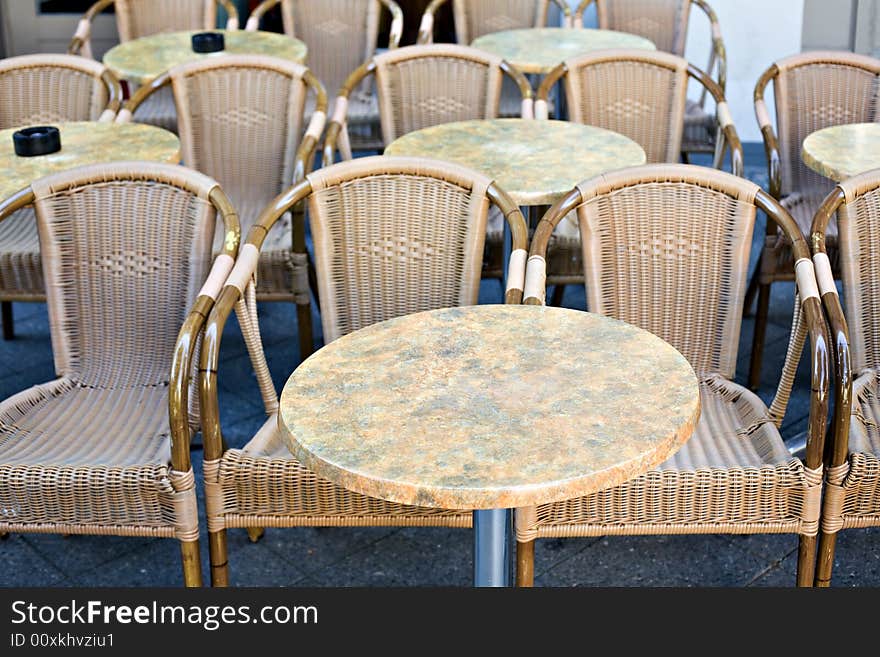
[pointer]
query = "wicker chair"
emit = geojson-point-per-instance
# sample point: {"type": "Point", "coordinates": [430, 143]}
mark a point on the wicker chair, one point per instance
{"type": "Point", "coordinates": [241, 121]}
{"type": "Point", "coordinates": [392, 236]}
{"type": "Point", "coordinates": [139, 18]}
{"type": "Point", "coordinates": [665, 22]}
{"type": "Point", "coordinates": [39, 90]}
{"type": "Point", "coordinates": [340, 35]}
{"type": "Point", "coordinates": [666, 247]}
{"type": "Point", "coordinates": [811, 91]}
{"type": "Point", "coordinates": [422, 86]}
{"type": "Point", "coordinates": [104, 448]}
{"type": "Point", "coordinates": [852, 477]}
{"type": "Point", "coordinates": [637, 93]}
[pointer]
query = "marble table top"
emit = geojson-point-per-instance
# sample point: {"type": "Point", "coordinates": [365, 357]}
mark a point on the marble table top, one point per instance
{"type": "Point", "coordinates": [843, 151]}
{"type": "Point", "coordinates": [489, 406]}
{"type": "Point", "coordinates": [541, 49]}
{"type": "Point", "coordinates": [536, 162]}
{"type": "Point", "coordinates": [142, 60]}
{"type": "Point", "coordinates": [83, 143]}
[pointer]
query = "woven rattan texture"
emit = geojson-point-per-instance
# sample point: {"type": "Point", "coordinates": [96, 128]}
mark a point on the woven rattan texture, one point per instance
{"type": "Point", "coordinates": [139, 18]}
{"type": "Point", "coordinates": [474, 18]}
{"type": "Point", "coordinates": [664, 22]}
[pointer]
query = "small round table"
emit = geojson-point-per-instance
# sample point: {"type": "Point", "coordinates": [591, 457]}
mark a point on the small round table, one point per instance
{"type": "Point", "coordinates": [843, 151]}
{"type": "Point", "coordinates": [143, 60]}
{"type": "Point", "coordinates": [536, 162]}
{"type": "Point", "coordinates": [86, 143]}
{"type": "Point", "coordinates": [484, 408]}
{"type": "Point", "coordinates": [540, 50]}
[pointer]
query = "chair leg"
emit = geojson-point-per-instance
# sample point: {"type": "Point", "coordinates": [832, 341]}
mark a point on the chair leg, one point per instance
{"type": "Point", "coordinates": [558, 293]}
{"type": "Point", "coordinates": [759, 336]}
{"type": "Point", "coordinates": [525, 564]}
{"type": "Point", "coordinates": [304, 323]}
{"type": "Point", "coordinates": [806, 566]}
{"type": "Point", "coordinates": [8, 328]}
{"type": "Point", "coordinates": [192, 563]}
{"type": "Point", "coordinates": [255, 533]}
{"type": "Point", "coordinates": [219, 558]}
{"type": "Point", "coordinates": [826, 559]}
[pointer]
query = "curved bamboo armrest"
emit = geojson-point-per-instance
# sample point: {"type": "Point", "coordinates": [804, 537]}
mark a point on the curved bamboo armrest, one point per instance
{"type": "Point", "coordinates": [395, 32]}
{"type": "Point", "coordinates": [253, 21]}
{"type": "Point", "coordinates": [115, 97]}
{"type": "Point", "coordinates": [81, 43]}
{"type": "Point", "coordinates": [305, 153]}
{"type": "Point", "coordinates": [337, 129]}
{"type": "Point", "coordinates": [577, 19]}
{"type": "Point", "coordinates": [567, 16]}
{"type": "Point", "coordinates": [728, 134]}
{"type": "Point", "coordinates": [127, 112]}
{"type": "Point", "coordinates": [426, 27]}
{"type": "Point", "coordinates": [771, 143]}
{"type": "Point", "coordinates": [718, 53]}
{"type": "Point", "coordinates": [232, 21]}
{"type": "Point", "coordinates": [542, 108]}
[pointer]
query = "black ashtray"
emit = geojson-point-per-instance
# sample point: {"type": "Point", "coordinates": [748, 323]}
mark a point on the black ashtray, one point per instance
{"type": "Point", "coordinates": [39, 140]}
{"type": "Point", "coordinates": [208, 42]}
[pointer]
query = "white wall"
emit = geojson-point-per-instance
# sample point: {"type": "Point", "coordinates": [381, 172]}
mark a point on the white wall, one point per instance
{"type": "Point", "coordinates": [756, 33]}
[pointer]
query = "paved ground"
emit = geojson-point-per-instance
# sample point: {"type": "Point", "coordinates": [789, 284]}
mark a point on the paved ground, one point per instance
{"type": "Point", "coordinates": [413, 557]}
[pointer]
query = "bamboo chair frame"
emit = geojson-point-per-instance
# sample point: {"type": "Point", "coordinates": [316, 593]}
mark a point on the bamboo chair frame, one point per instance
{"type": "Point", "coordinates": [696, 119]}
{"type": "Point", "coordinates": [23, 263]}
{"type": "Point", "coordinates": [852, 472]}
{"type": "Point", "coordinates": [463, 28]}
{"type": "Point", "coordinates": [341, 507]}
{"type": "Point", "coordinates": [565, 265]}
{"type": "Point", "coordinates": [785, 185]}
{"type": "Point", "coordinates": [183, 523]}
{"type": "Point", "coordinates": [616, 508]}
{"type": "Point", "coordinates": [287, 273]}
{"type": "Point", "coordinates": [367, 135]}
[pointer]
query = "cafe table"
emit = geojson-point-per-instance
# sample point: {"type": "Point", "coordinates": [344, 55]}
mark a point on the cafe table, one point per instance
{"type": "Point", "coordinates": [541, 49]}
{"type": "Point", "coordinates": [843, 151]}
{"type": "Point", "coordinates": [143, 60]}
{"type": "Point", "coordinates": [489, 408]}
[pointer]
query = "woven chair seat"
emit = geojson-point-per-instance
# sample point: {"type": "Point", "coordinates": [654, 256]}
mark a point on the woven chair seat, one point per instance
{"type": "Point", "coordinates": [21, 274]}
{"type": "Point", "coordinates": [733, 473]}
{"type": "Point", "coordinates": [158, 110]}
{"type": "Point", "coordinates": [79, 455]}
{"type": "Point", "coordinates": [264, 481]}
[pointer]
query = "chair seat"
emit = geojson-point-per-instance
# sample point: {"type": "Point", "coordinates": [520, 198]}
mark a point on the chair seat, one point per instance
{"type": "Point", "coordinates": [700, 129]}
{"type": "Point", "coordinates": [21, 274]}
{"type": "Point", "coordinates": [75, 457]}
{"type": "Point", "coordinates": [864, 430]}
{"type": "Point", "coordinates": [263, 480]}
{"type": "Point", "coordinates": [733, 475]}
{"type": "Point", "coordinates": [158, 110]}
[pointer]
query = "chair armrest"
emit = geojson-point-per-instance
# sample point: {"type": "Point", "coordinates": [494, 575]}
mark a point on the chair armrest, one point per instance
{"type": "Point", "coordinates": [566, 12]}
{"type": "Point", "coordinates": [337, 132]}
{"type": "Point", "coordinates": [519, 235]}
{"type": "Point", "coordinates": [231, 13]}
{"type": "Point", "coordinates": [525, 89]}
{"type": "Point", "coordinates": [395, 32]}
{"type": "Point", "coordinates": [426, 27]}
{"type": "Point", "coordinates": [115, 96]}
{"type": "Point", "coordinates": [535, 288]}
{"type": "Point", "coordinates": [771, 143]}
{"type": "Point", "coordinates": [718, 53]}
{"type": "Point", "coordinates": [253, 21]}
{"type": "Point", "coordinates": [577, 20]}
{"type": "Point", "coordinates": [81, 43]}
{"type": "Point", "coordinates": [305, 153]}
{"type": "Point", "coordinates": [127, 112]}
{"type": "Point", "coordinates": [542, 111]}
{"type": "Point", "coordinates": [725, 122]}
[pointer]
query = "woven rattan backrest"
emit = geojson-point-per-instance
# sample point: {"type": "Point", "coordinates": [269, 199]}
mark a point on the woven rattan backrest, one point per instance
{"type": "Point", "coordinates": [666, 247]}
{"type": "Point", "coordinates": [240, 120]}
{"type": "Point", "coordinates": [422, 86]}
{"type": "Point", "coordinates": [474, 18]}
{"type": "Point", "coordinates": [45, 89]}
{"type": "Point", "coordinates": [639, 94]}
{"type": "Point", "coordinates": [814, 90]}
{"type": "Point", "coordinates": [138, 18]}
{"type": "Point", "coordinates": [858, 220]}
{"type": "Point", "coordinates": [340, 35]}
{"type": "Point", "coordinates": [665, 22]}
{"type": "Point", "coordinates": [395, 236]}
{"type": "Point", "coordinates": [125, 248]}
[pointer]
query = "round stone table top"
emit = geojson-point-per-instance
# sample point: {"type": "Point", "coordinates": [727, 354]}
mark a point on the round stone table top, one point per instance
{"type": "Point", "coordinates": [843, 151]}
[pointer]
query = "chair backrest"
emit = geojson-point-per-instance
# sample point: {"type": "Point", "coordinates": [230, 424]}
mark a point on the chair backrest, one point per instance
{"type": "Point", "coordinates": [125, 248]}
{"type": "Point", "coordinates": [41, 89]}
{"type": "Point", "coordinates": [240, 120]}
{"type": "Point", "coordinates": [666, 247]}
{"type": "Point", "coordinates": [815, 90]}
{"type": "Point", "coordinates": [422, 86]}
{"type": "Point", "coordinates": [665, 22]}
{"type": "Point", "coordinates": [395, 236]}
{"type": "Point", "coordinates": [139, 18]}
{"type": "Point", "coordinates": [639, 94]}
{"type": "Point", "coordinates": [474, 18]}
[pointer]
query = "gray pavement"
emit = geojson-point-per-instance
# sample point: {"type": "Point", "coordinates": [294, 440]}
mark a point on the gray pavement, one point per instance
{"type": "Point", "coordinates": [418, 556]}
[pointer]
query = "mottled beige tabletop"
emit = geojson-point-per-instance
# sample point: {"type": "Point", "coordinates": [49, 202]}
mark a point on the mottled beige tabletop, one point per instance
{"type": "Point", "coordinates": [843, 151]}
{"type": "Point", "coordinates": [536, 162]}
{"type": "Point", "coordinates": [541, 49]}
{"type": "Point", "coordinates": [142, 60]}
{"type": "Point", "coordinates": [489, 407]}
{"type": "Point", "coordinates": [86, 143]}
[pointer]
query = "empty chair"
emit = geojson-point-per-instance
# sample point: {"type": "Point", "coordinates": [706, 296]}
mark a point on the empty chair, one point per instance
{"type": "Point", "coordinates": [105, 447]}
{"type": "Point", "coordinates": [640, 94]}
{"type": "Point", "coordinates": [242, 123]}
{"type": "Point", "coordinates": [340, 35]}
{"type": "Point", "coordinates": [665, 22]}
{"type": "Point", "coordinates": [811, 91]}
{"type": "Point", "coordinates": [139, 18]}
{"type": "Point", "coordinates": [852, 487]}
{"type": "Point", "coordinates": [666, 247]}
{"type": "Point", "coordinates": [41, 90]}
{"type": "Point", "coordinates": [392, 236]}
